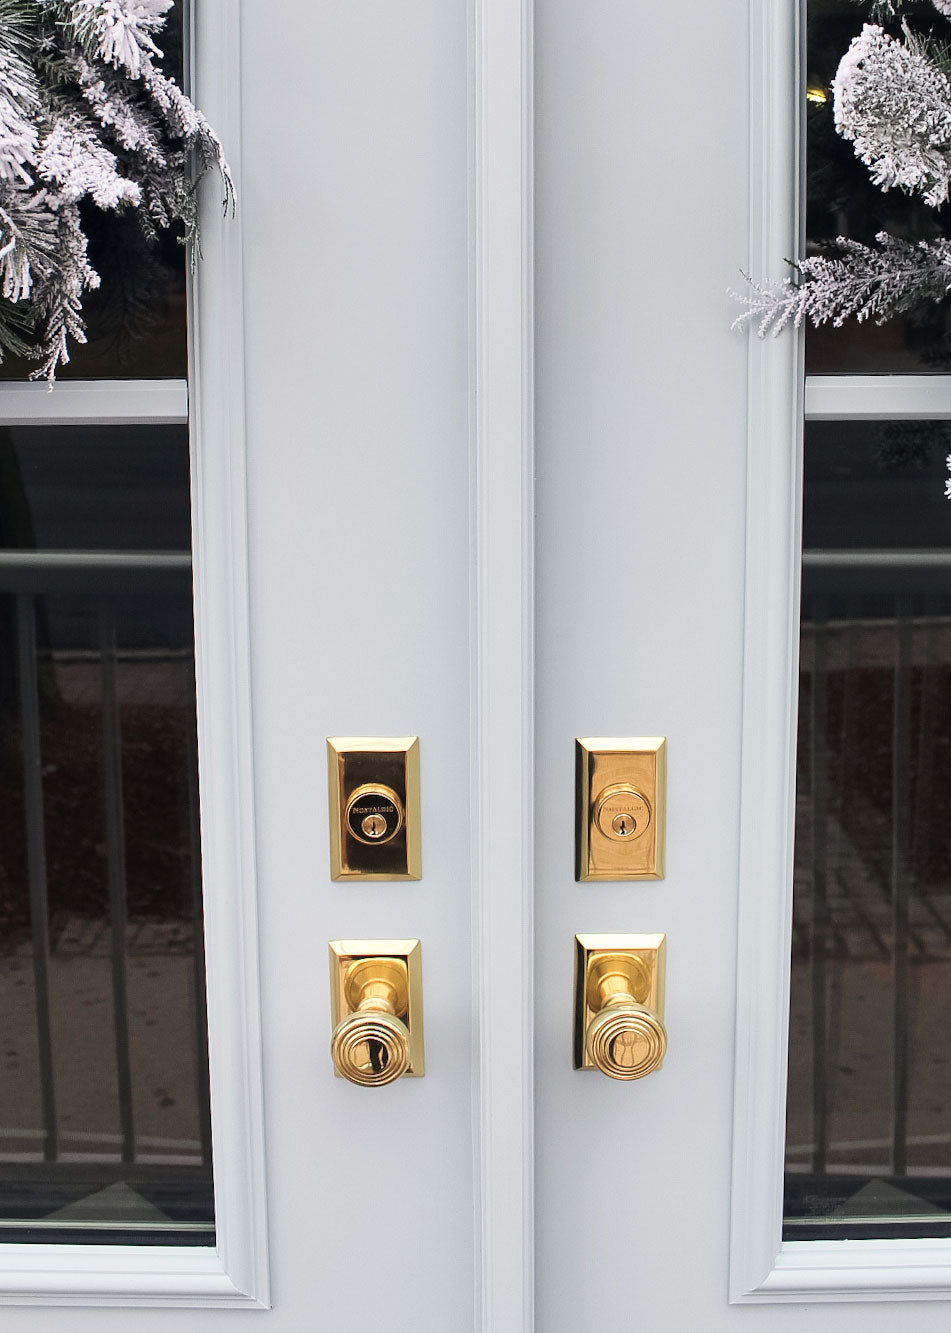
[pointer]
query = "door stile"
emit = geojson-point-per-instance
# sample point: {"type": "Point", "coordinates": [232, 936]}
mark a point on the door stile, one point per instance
{"type": "Point", "coordinates": [771, 655]}
{"type": "Point", "coordinates": [502, 638]}
{"type": "Point", "coordinates": [223, 672]}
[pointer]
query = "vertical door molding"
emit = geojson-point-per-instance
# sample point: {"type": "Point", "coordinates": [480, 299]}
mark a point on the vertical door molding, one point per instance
{"type": "Point", "coordinates": [222, 652]}
{"type": "Point", "coordinates": [771, 652]}
{"type": "Point", "coordinates": [501, 433]}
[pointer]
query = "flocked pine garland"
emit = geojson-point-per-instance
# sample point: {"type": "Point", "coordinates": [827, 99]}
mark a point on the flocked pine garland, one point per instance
{"type": "Point", "coordinates": [87, 117]}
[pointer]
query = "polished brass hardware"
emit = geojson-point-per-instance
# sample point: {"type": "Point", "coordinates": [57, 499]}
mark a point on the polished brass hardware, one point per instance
{"type": "Point", "coordinates": [622, 812]}
{"type": "Point", "coordinates": [619, 1004]}
{"type": "Point", "coordinates": [374, 813]}
{"type": "Point", "coordinates": [620, 802]}
{"type": "Point", "coordinates": [374, 807]}
{"type": "Point", "coordinates": [376, 1007]}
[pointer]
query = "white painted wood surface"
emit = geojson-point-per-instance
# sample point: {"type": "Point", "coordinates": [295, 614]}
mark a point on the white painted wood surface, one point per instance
{"type": "Point", "coordinates": [502, 637]}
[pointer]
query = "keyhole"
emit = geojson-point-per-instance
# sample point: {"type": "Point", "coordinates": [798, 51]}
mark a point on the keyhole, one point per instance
{"type": "Point", "coordinates": [372, 1054]}
{"type": "Point", "coordinates": [623, 825]}
{"type": "Point", "coordinates": [374, 826]}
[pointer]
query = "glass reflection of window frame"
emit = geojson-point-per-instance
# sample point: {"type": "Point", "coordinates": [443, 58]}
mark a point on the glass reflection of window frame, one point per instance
{"type": "Point", "coordinates": [107, 404]}
{"type": "Point", "coordinates": [235, 1273]}
{"type": "Point", "coordinates": [890, 395]}
{"type": "Point", "coordinates": [872, 398]}
{"type": "Point", "coordinates": [765, 1268]}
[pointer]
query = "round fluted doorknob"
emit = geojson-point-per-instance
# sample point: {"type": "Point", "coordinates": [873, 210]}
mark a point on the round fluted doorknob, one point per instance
{"type": "Point", "coordinates": [627, 1041]}
{"type": "Point", "coordinates": [371, 1046]}
{"type": "Point", "coordinates": [626, 1038]}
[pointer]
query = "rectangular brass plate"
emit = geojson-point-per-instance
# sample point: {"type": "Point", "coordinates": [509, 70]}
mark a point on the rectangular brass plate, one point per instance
{"type": "Point", "coordinates": [345, 952]}
{"type": "Point", "coordinates": [362, 761]}
{"type": "Point", "coordinates": [652, 951]}
{"type": "Point", "coordinates": [603, 763]}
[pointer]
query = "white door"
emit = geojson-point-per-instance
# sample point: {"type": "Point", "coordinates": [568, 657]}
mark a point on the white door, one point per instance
{"type": "Point", "coordinates": [379, 553]}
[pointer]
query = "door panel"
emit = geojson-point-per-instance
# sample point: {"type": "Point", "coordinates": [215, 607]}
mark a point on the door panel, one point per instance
{"type": "Point", "coordinates": [642, 211]}
{"type": "Point", "coordinates": [353, 232]}
{"type": "Point", "coordinates": [357, 418]}
{"type": "Point", "coordinates": [641, 217]}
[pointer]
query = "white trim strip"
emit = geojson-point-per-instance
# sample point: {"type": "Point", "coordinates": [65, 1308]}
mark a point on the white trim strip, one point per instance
{"type": "Point", "coordinates": [116, 1275]}
{"type": "Point", "coordinates": [858, 1270]}
{"type": "Point", "coordinates": [94, 402]}
{"type": "Point", "coordinates": [223, 669]}
{"type": "Point", "coordinates": [877, 397]}
{"type": "Point", "coordinates": [769, 672]}
{"type": "Point", "coordinates": [501, 413]}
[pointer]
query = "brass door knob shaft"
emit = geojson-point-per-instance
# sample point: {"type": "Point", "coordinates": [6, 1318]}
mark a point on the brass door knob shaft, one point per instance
{"type": "Point", "coordinates": [371, 1046]}
{"type": "Point", "coordinates": [625, 1039]}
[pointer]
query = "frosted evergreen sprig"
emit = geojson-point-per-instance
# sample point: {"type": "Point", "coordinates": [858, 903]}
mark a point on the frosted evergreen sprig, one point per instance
{"type": "Point", "coordinates": [861, 282]}
{"type": "Point", "coordinates": [86, 117]}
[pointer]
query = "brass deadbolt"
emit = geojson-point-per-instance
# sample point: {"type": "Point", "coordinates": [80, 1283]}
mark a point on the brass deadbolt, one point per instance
{"type": "Point", "coordinates": [374, 807]}
{"type": "Point", "coordinates": [374, 813]}
{"type": "Point", "coordinates": [620, 784]}
{"type": "Point", "coordinates": [622, 812]}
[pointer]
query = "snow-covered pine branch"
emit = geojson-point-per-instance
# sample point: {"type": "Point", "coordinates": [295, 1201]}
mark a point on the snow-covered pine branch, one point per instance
{"type": "Point", "coordinates": [19, 96]}
{"type": "Point", "coordinates": [860, 282]}
{"type": "Point", "coordinates": [86, 117]}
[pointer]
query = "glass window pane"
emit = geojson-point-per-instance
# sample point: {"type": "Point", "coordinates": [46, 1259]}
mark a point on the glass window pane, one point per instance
{"type": "Point", "coordinates": [869, 1103]}
{"type": "Point", "coordinates": [104, 1113]}
{"type": "Point", "coordinates": [135, 321]}
{"type": "Point", "coordinates": [842, 201]}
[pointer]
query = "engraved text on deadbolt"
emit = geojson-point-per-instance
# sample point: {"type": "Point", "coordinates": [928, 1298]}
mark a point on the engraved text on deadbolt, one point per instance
{"type": "Point", "coordinates": [622, 813]}
{"type": "Point", "coordinates": [374, 814]}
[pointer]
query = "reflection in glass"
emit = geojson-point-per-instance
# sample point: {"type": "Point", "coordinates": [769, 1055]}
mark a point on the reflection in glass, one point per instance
{"type": "Point", "coordinates": [136, 320]}
{"type": "Point", "coordinates": [842, 201]}
{"type": "Point", "coordinates": [104, 1119]}
{"type": "Point", "coordinates": [869, 1103]}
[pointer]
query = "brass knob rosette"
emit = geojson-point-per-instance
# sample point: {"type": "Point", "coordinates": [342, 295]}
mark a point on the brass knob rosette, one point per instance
{"type": "Point", "coordinates": [371, 1046]}
{"type": "Point", "coordinates": [625, 1039]}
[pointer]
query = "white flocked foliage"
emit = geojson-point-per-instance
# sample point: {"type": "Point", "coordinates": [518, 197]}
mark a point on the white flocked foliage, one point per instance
{"type": "Point", "coordinates": [87, 118]}
{"type": "Point", "coordinates": [892, 101]}
{"type": "Point", "coordinates": [894, 105]}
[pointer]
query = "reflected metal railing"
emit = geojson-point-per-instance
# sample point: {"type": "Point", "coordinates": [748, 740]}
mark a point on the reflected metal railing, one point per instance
{"type": "Point", "coordinates": [893, 606]}
{"type": "Point", "coordinates": [98, 578]}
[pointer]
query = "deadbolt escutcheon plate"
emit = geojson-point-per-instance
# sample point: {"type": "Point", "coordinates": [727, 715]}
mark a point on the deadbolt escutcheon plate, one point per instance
{"type": "Point", "coordinates": [620, 800]}
{"type": "Point", "coordinates": [374, 807]}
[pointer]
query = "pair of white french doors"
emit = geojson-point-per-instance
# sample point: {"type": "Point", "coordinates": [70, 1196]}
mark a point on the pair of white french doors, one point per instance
{"type": "Point", "coordinates": [479, 459]}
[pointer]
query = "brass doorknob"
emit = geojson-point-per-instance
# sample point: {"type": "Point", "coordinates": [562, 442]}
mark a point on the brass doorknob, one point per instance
{"type": "Point", "coordinates": [625, 1039]}
{"type": "Point", "coordinates": [371, 1046]}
